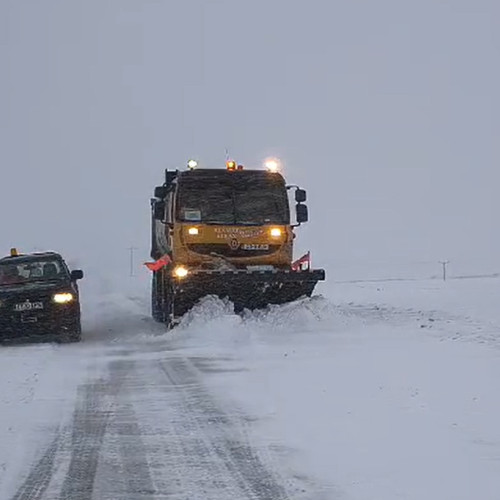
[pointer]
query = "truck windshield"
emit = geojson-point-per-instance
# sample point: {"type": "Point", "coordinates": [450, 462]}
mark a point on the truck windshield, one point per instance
{"type": "Point", "coordinates": [234, 199]}
{"type": "Point", "coordinates": [19, 272]}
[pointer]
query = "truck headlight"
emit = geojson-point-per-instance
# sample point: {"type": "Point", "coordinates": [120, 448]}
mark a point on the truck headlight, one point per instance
{"type": "Point", "coordinates": [63, 298]}
{"type": "Point", "coordinates": [275, 232]}
{"type": "Point", "coordinates": [193, 231]}
{"type": "Point", "coordinates": [180, 272]}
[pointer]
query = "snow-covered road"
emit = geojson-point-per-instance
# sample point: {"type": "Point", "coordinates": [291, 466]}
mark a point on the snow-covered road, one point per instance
{"type": "Point", "coordinates": [147, 428]}
{"type": "Point", "coordinates": [126, 415]}
{"type": "Point", "coordinates": [378, 391]}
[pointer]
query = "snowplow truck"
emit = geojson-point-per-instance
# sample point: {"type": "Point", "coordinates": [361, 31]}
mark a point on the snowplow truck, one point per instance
{"type": "Point", "coordinates": [226, 232]}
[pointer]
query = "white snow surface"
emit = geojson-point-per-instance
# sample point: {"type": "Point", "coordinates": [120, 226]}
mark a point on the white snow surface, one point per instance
{"type": "Point", "coordinates": [392, 394]}
{"type": "Point", "coordinates": [380, 390]}
{"type": "Point", "coordinates": [37, 391]}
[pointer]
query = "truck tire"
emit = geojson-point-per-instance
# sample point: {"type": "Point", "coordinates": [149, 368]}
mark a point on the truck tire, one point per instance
{"type": "Point", "coordinates": [156, 299]}
{"type": "Point", "coordinates": [168, 304]}
{"type": "Point", "coordinates": [167, 299]}
{"type": "Point", "coordinates": [162, 298]}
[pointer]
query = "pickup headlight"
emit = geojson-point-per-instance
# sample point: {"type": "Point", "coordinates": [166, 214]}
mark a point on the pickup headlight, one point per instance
{"type": "Point", "coordinates": [63, 298]}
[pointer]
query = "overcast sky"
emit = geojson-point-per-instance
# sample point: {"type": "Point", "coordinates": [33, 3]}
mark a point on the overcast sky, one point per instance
{"type": "Point", "coordinates": [387, 112]}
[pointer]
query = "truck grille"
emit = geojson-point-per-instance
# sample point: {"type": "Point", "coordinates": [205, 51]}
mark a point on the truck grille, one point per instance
{"type": "Point", "coordinates": [225, 250]}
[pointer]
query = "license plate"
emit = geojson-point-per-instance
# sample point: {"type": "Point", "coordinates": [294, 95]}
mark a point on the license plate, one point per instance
{"type": "Point", "coordinates": [28, 306]}
{"type": "Point", "coordinates": [255, 247]}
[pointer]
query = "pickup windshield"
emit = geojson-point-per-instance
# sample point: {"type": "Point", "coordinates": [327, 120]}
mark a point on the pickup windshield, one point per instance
{"type": "Point", "coordinates": [233, 199]}
{"type": "Point", "coordinates": [28, 271]}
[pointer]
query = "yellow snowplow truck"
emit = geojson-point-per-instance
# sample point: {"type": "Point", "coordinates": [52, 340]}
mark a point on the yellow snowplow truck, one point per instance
{"type": "Point", "coordinates": [226, 232]}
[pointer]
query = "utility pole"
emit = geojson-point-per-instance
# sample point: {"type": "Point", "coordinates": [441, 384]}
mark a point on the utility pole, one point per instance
{"type": "Point", "coordinates": [132, 250]}
{"type": "Point", "coordinates": [444, 263]}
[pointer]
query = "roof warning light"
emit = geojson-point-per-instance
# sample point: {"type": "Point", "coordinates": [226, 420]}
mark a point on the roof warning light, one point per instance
{"type": "Point", "coordinates": [272, 164]}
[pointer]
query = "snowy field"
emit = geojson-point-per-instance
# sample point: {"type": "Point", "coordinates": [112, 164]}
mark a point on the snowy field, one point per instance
{"type": "Point", "coordinates": [379, 390]}
{"type": "Point", "coordinates": [383, 386]}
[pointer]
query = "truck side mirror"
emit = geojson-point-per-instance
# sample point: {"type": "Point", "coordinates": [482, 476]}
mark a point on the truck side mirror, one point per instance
{"type": "Point", "coordinates": [300, 195]}
{"type": "Point", "coordinates": [302, 213]}
{"type": "Point", "coordinates": [76, 275]}
{"type": "Point", "coordinates": [160, 192]}
{"type": "Point", "coordinates": [170, 177]}
{"type": "Point", "coordinates": [159, 210]}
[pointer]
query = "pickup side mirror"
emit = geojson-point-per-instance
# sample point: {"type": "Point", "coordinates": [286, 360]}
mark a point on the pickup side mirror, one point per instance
{"type": "Point", "coordinates": [159, 210]}
{"type": "Point", "coordinates": [76, 275]}
{"type": "Point", "coordinates": [302, 213]}
{"type": "Point", "coordinates": [160, 192]}
{"type": "Point", "coordinates": [300, 195]}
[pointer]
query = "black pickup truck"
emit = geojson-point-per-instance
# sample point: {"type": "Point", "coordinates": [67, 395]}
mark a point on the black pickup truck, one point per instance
{"type": "Point", "coordinates": [39, 299]}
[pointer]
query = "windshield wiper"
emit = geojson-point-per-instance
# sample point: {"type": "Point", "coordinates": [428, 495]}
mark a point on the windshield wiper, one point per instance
{"type": "Point", "coordinates": [246, 223]}
{"type": "Point", "coordinates": [44, 280]}
{"type": "Point", "coordinates": [218, 222]}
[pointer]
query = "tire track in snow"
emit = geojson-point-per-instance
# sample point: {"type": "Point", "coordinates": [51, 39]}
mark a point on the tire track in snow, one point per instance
{"type": "Point", "coordinates": [124, 470]}
{"type": "Point", "coordinates": [150, 417]}
{"type": "Point", "coordinates": [133, 456]}
{"type": "Point", "coordinates": [89, 425]}
{"type": "Point", "coordinates": [235, 464]}
{"type": "Point", "coordinates": [38, 480]}
{"type": "Point", "coordinates": [105, 426]}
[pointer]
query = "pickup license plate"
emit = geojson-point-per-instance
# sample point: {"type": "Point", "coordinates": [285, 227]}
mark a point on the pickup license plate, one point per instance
{"type": "Point", "coordinates": [28, 306]}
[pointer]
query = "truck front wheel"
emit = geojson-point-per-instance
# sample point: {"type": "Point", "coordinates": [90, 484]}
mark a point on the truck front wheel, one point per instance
{"type": "Point", "coordinates": [162, 298]}
{"type": "Point", "coordinates": [156, 309]}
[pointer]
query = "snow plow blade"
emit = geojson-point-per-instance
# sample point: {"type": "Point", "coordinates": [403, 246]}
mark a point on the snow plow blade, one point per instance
{"type": "Point", "coordinates": [246, 289]}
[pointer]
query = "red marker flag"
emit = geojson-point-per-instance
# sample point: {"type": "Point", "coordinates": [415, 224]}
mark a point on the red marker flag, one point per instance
{"type": "Point", "coordinates": [157, 265]}
{"type": "Point", "coordinates": [300, 264]}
